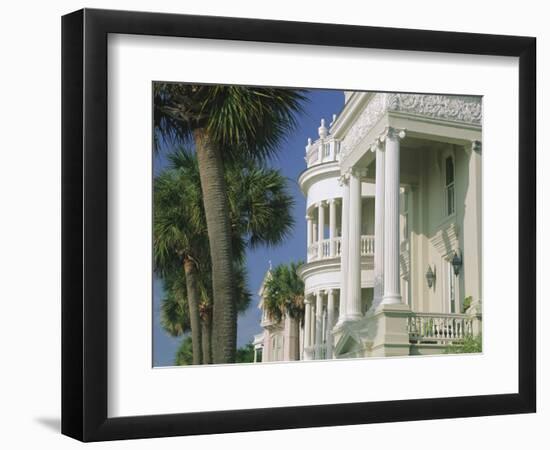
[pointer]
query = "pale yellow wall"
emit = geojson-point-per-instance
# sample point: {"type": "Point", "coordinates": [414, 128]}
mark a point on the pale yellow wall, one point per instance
{"type": "Point", "coordinates": [427, 204]}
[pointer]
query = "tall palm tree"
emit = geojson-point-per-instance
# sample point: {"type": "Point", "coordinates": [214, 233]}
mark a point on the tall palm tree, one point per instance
{"type": "Point", "coordinates": [259, 212]}
{"type": "Point", "coordinates": [243, 297]}
{"type": "Point", "coordinates": [284, 297]}
{"type": "Point", "coordinates": [179, 240]}
{"type": "Point", "coordinates": [284, 292]}
{"type": "Point", "coordinates": [175, 310]}
{"type": "Point", "coordinates": [225, 123]}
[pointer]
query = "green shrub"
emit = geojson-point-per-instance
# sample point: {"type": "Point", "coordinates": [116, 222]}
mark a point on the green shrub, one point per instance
{"type": "Point", "coordinates": [471, 344]}
{"type": "Point", "coordinates": [467, 303]}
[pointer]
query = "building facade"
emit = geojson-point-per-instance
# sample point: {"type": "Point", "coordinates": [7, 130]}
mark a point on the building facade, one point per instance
{"type": "Point", "coordinates": [393, 189]}
{"type": "Point", "coordinates": [280, 340]}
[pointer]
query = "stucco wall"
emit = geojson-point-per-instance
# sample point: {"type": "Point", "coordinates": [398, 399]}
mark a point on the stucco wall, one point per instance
{"type": "Point", "coordinates": [432, 232]}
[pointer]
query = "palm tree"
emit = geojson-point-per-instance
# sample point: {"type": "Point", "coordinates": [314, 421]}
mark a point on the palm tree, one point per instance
{"type": "Point", "coordinates": [179, 241]}
{"type": "Point", "coordinates": [225, 123]}
{"type": "Point", "coordinates": [184, 354]}
{"type": "Point", "coordinates": [175, 310]}
{"type": "Point", "coordinates": [259, 212]}
{"type": "Point", "coordinates": [284, 297]}
{"type": "Point", "coordinates": [284, 292]}
{"type": "Point", "coordinates": [243, 296]}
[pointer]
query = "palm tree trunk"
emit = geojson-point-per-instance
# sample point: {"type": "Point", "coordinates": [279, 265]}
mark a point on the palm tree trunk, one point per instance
{"type": "Point", "coordinates": [206, 344]}
{"type": "Point", "coordinates": [214, 192]}
{"type": "Point", "coordinates": [191, 281]}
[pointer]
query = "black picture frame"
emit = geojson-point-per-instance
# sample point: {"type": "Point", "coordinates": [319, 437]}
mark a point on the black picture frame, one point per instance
{"type": "Point", "coordinates": [84, 224]}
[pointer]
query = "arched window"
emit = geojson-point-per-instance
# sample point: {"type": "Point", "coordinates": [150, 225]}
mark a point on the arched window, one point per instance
{"type": "Point", "coordinates": [449, 185]}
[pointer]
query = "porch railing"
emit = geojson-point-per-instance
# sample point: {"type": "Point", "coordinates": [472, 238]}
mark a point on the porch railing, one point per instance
{"type": "Point", "coordinates": [323, 150]}
{"type": "Point", "coordinates": [367, 245]}
{"type": "Point", "coordinates": [439, 328]}
{"type": "Point", "coordinates": [332, 248]}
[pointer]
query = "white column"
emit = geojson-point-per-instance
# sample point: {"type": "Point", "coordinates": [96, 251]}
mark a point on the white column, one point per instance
{"type": "Point", "coordinates": [314, 234]}
{"type": "Point", "coordinates": [353, 305]}
{"type": "Point", "coordinates": [321, 229]}
{"type": "Point", "coordinates": [307, 323]}
{"type": "Point", "coordinates": [379, 226]}
{"type": "Point", "coordinates": [392, 288]}
{"type": "Point", "coordinates": [330, 321]}
{"type": "Point", "coordinates": [312, 327]}
{"type": "Point", "coordinates": [309, 230]}
{"type": "Point", "coordinates": [332, 225]}
{"type": "Point", "coordinates": [318, 323]}
{"type": "Point", "coordinates": [344, 182]}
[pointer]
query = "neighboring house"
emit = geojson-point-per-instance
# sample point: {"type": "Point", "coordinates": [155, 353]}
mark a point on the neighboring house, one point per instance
{"type": "Point", "coordinates": [394, 230]}
{"type": "Point", "coordinates": [280, 341]}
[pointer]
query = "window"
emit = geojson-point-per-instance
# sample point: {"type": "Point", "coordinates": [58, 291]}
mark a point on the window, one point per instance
{"type": "Point", "coordinates": [449, 185]}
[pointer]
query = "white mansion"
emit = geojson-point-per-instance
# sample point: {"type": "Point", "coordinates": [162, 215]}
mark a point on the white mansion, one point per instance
{"type": "Point", "coordinates": [393, 216]}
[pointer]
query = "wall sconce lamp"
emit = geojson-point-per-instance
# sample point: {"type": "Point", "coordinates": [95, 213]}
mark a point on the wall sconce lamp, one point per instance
{"type": "Point", "coordinates": [457, 263]}
{"type": "Point", "coordinates": [430, 277]}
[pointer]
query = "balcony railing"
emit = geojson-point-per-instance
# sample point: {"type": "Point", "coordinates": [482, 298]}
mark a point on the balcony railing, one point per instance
{"type": "Point", "coordinates": [439, 328]}
{"type": "Point", "coordinates": [322, 150]}
{"type": "Point", "coordinates": [367, 245]}
{"type": "Point", "coordinates": [332, 248]}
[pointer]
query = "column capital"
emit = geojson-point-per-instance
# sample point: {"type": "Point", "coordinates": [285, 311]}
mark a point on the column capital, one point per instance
{"type": "Point", "coordinates": [320, 204]}
{"type": "Point", "coordinates": [392, 134]}
{"type": "Point", "coordinates": [330, 291]}
{"type": "Point", "coordinates": [476, 146]}
{"type": "Point", "coordinates": [344, 178]}
{"type": "Point", "coordinates": [308, 217]}
{"type": "Point", "coordinates": [333, 201]}
{"type": "Point", "coordinates": [376, 146]}
{"type": "Point", "coordinates": [307, 299]}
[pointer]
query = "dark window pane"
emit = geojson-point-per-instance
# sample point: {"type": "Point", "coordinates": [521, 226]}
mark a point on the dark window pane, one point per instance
{"type": "Point", "coordinates": [449, 170]}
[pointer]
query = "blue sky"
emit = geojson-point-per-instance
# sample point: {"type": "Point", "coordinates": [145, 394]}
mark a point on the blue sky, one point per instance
{"type": "Point", "coordinates": [290, 161]}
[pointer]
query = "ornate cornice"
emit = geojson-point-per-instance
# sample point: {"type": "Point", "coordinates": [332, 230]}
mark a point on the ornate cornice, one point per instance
{"type": "Point", "coordinates": [454, 108]}
{"type": "Point", "coordinates": [373, 111]}
{"type": "Point", "coordinates": [458, 108]}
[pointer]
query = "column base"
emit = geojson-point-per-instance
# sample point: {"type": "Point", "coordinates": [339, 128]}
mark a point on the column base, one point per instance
{"type": "Point", "coordinates": [388, 326]}
{"type": "Point", "coordinates": [353, 317]}
{"type": "Point", "coordinates": [391, 299]}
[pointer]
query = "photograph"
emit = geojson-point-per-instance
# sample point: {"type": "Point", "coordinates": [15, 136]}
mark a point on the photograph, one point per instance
{"type": "Point", "coordinates": [297, 224]}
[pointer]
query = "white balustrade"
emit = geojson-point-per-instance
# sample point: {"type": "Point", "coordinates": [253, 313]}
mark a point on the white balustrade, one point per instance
{"type": "Point", "coordinates": [313, 252]}
{"type": "Point", "coordinates": [323, 150]}
{"type": "Point", "coordinates": [321, 249]}
{"type": "Point", "coordinates": [367, 245]}
{"type": "Point", "coordinates": [338, 246]}
{"type": "Point", "coordinates": [312, 156]}
{"type": "Point", "coordinates": [325, 248]}
{"type": "Point", "coordinates": [439, 328]}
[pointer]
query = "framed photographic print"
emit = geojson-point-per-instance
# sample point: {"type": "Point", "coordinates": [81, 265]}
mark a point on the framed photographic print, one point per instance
{"type": "Point", "coordinates": [274, 224]}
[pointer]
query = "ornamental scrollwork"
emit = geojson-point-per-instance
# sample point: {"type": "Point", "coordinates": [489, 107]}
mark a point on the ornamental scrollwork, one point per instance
{"type": "Point", "coordinates": [458, 108]}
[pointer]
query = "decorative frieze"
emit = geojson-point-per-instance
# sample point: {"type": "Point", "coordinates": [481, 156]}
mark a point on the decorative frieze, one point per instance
{"type": "Point", "coordinates": [457, 108]}
{"type": "Point", "coordinates": [448, 107]}
{"type": "Point", "coordinates": [372, 112]}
